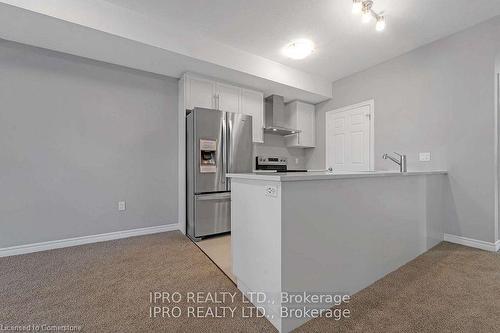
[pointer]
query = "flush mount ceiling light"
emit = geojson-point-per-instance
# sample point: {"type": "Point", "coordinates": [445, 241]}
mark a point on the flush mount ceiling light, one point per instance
{"type": "Point", "coordinates": [299, 49]}
{"type": "Point", "coordinates": [368, 14]}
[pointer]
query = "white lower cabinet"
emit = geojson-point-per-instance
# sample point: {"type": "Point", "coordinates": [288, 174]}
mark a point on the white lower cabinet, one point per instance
{"type": "Point", "coordinates": [301, 116]}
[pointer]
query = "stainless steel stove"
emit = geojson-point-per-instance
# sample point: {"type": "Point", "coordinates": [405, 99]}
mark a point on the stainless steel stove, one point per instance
{"type": "Point", "coordinates": [273, 163]}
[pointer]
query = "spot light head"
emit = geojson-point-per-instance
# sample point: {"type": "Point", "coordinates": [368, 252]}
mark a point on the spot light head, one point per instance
{"type": "Point", "coordinates": [357, 6]}
{"type": "Point", "coordinates": [380, 26]}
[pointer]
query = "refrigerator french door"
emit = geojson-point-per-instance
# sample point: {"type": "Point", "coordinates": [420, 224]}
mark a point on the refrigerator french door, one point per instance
{"type": "Point", "coordinates": [217, 143]}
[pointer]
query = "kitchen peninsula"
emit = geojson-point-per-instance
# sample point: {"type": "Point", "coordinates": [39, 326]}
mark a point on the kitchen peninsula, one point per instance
{"type": "Point", "coordinates": [326, 233]}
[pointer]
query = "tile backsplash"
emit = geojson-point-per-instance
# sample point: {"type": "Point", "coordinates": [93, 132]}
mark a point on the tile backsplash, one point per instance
{"type": "Point", "coordinates": [274, 145]}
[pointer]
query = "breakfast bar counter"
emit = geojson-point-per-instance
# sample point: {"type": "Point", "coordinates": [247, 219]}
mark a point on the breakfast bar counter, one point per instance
{"type": "Point", "coordinates": [326, 175]}
{"type": "Point", "coordinates": [329, 233]}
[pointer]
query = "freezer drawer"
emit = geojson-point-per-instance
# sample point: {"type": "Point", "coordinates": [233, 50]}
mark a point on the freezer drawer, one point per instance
{"type": "Point", "coordinates": [212, 213]}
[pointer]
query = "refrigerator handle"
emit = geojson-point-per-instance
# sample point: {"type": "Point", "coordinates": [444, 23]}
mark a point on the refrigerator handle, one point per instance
{"type": "Point", "coordinates": [228, 139]}
{"type": "Point", "coordinates": [224, 148]}
{"type": "Point", "coordinates": [228, 164]}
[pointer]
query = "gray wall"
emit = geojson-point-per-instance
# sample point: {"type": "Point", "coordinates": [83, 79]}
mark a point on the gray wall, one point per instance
{"type": "Point", "coordinates": [274, 145]}
{"type": "Point", "coordinates": [439, 99]}
{"type": "Point", "coordinates": [77, 136]}
{"type": "Point", "coordinates": [497, 105]}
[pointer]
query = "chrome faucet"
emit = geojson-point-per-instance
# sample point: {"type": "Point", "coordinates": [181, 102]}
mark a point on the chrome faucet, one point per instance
{"type": "Point", "coordinates": [401, 161]}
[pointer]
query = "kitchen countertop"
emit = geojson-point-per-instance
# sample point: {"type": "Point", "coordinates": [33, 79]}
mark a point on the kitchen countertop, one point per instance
{"type": "Point", "coordinates": [285, 226]}
{"type": "Point", "coordinates": [325, 175]}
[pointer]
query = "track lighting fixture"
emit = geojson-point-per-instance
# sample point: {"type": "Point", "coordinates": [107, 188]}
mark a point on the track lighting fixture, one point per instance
{"type": "Point", "coordinates": [357, 6]}
{"type": "Point", "coordinates": [368, 14]}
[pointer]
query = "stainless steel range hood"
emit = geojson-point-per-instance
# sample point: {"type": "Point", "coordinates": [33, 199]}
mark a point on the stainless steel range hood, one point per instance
{"type": "Point", "coordinates": [275, 116]}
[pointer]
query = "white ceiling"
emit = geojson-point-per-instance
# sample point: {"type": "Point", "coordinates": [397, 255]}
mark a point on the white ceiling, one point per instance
{"type": "Point", "coordinates": [100, 30]}
{"type": "Point", "coordinates": [344, 45]}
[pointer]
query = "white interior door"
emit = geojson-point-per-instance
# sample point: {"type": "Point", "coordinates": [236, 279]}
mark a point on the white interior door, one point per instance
{"type": "Point", "coordinates": [349, 137]}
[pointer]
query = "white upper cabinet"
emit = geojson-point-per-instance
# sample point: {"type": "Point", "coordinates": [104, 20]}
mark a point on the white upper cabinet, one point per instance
{"type": "Point", "coordinates": [301, 116]}
{"type": "Point", "coordinates": [227, 97]}
{"type": "Point", "coordinates": [206, 93]}
{"type": "Point", "coordinates": [200, 93]}
{"type": "Point", "coordinates": [252, 103]}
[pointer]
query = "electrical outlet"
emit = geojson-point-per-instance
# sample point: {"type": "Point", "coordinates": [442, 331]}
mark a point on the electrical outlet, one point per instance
{"type": "Point", "coordinates": [424, 157]}
{"type": "Point", "coordinates": [271, 191]}
{"type": "Point", "coordinates": [121, 206]}
{"type": "Point", "coordinates": [296, 160]}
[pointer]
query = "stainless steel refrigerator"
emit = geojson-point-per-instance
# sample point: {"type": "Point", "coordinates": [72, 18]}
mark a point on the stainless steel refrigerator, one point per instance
{"type": "Point", "coordinates": [217, 143]}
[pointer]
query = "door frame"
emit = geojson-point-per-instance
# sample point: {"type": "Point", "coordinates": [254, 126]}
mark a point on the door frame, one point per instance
{"type": "Point", "coordinates": [371, 104]}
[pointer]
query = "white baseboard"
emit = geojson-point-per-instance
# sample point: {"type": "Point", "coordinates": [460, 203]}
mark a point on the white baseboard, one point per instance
{"type": "Point", "coordinates": [57, 244]}
{"type": "Point", "coordinates": [478, 244]}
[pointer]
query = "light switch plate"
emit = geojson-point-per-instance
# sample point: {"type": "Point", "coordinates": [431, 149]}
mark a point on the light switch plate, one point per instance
{"type": "Point", "coordinates": [271, 191]}
{"type": "Point", "coordinates": [424, 157]}
{"type": "Point", "coordinates": [121, 206]}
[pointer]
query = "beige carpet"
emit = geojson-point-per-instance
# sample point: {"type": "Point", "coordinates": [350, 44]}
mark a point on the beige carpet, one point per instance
{"type": "Point", "coordinates": [451, 288]}
{"type": "Point", "coordinates": [105, 287]}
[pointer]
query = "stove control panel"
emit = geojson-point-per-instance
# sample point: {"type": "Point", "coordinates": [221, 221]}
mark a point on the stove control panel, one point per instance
{"type": "Point", "coordinates": [270, 163]}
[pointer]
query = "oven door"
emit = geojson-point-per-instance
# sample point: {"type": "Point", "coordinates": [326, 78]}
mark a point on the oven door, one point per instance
{"type": "Point", "coordinates": [212, 213]}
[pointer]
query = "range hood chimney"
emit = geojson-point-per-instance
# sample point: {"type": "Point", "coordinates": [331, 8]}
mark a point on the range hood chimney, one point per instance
{"type": "Point", "coordinates": [275, 116]}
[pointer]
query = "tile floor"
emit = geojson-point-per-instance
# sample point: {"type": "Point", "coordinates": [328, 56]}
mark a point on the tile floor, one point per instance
{"type": "Point", "coordinates": [218, 248]}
